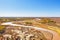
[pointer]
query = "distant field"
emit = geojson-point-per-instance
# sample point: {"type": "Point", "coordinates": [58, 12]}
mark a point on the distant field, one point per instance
{"type": "Point", "coordinates": [48, 23]}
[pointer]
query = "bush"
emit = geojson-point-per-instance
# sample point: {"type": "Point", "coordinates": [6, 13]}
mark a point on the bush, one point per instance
{"type": "Point", "coordinates": [47, 21]}
{"type": "Point", "coordinates": [2, 29]}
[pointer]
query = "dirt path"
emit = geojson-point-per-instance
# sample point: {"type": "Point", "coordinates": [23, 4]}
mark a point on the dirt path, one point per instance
{"type": "Point", "coordinates": [55, 35]}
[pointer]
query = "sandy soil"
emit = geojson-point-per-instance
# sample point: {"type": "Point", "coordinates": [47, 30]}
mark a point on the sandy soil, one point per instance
{"type": "Point", "coordinates": [55, 35]}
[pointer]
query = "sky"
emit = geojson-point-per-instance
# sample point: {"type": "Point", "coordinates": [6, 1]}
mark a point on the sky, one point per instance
{"type": "Point", "coordinates": [29, 8]}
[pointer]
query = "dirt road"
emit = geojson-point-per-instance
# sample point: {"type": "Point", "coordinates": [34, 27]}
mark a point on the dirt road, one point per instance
{"type": "Point", "coordinates": [55, 35]}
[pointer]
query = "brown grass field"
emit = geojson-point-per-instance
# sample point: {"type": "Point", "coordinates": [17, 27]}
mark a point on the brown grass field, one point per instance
{"type": "Point", "coordinates": [49, 23]}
